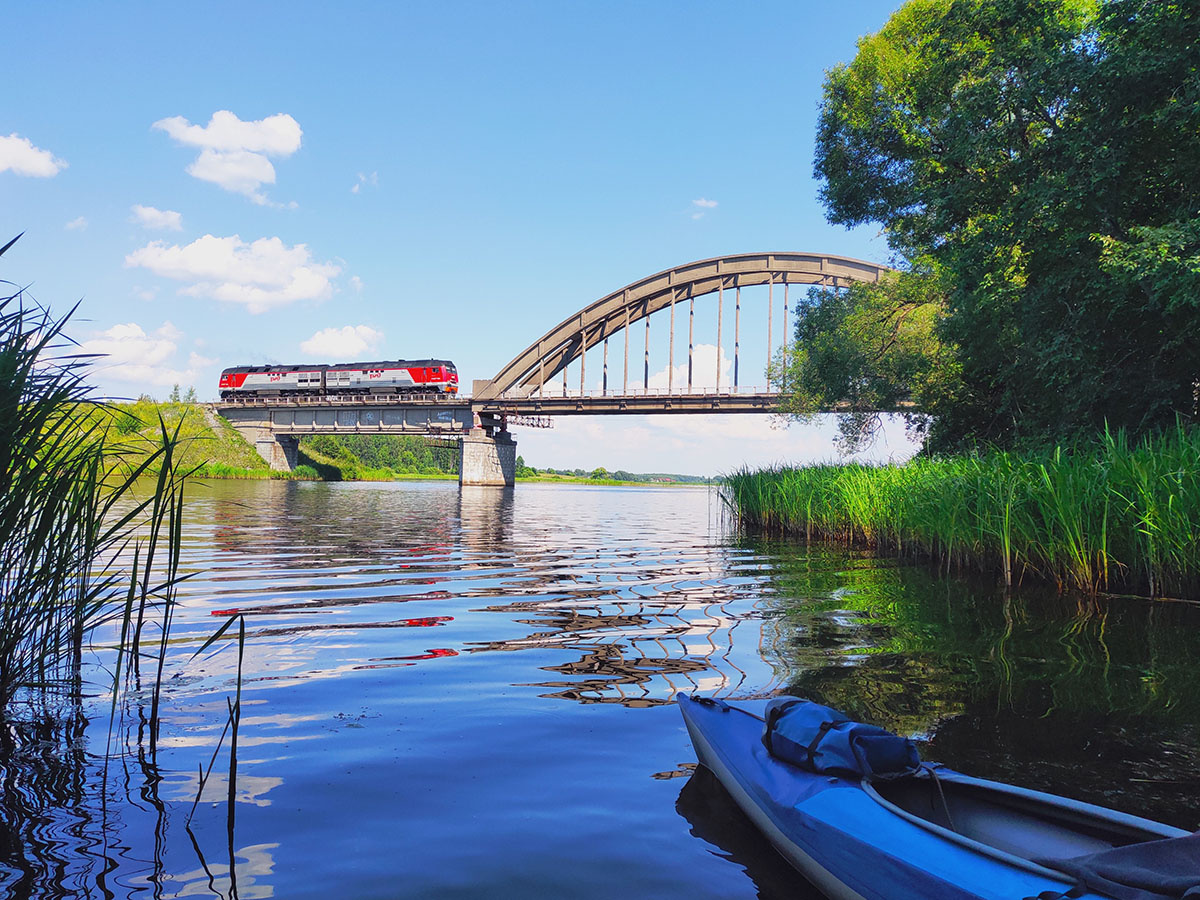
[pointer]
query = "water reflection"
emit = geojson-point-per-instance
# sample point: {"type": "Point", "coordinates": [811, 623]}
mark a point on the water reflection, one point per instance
{"type": "Point", "coordinates": [1088, 698]}
{"type": "Point", "coordinates": [247, 879]}
{"type": "Point", "coordinates": [485, 517]}
{"type": "Point", "coordinates": [410, 648]}
{"type": "Point", "coordinates": [715, 818]}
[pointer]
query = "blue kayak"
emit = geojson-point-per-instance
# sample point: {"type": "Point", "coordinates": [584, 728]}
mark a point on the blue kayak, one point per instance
{"type": "Point", "coordinates": [935, 833]}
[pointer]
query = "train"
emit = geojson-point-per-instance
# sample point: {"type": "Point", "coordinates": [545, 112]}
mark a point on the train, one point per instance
{"type": "Point", "coordinates": [394, 376]}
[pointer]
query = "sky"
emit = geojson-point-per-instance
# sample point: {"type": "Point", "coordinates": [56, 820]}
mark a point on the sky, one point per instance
{"type": "Point", "coordinates": [231, 184]}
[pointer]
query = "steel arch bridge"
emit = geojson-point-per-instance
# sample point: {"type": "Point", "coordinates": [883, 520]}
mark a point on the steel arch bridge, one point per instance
{"type": "Point", "coordinates": [518, 394]}
{"type": "Point", "coordinates": [530, 371]}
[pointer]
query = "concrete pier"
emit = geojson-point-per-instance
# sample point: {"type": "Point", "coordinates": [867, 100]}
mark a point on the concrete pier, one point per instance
{"type": "Point", "coordinates": [487, 460]}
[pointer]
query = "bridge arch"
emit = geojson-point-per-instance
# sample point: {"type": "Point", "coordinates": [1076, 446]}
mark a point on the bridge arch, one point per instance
{"type": "Point", "coordinates": [542, 360]}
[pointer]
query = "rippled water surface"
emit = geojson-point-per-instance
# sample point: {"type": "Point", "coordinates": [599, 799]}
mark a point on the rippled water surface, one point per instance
{"type": "Point", "coordinates": [452, 694]}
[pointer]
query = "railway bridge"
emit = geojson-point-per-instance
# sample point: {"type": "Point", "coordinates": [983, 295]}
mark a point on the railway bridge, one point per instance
{"type": "Point", "coordinates": [550, 377]}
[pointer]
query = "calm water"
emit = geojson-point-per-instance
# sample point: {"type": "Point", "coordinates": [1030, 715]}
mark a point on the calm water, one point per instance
{"type": "Point", "coordinates": [467, 695]}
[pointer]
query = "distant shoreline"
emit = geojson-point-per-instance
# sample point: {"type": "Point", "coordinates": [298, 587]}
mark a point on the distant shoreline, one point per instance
{"type": "Point", "coordinates": [267, 475]}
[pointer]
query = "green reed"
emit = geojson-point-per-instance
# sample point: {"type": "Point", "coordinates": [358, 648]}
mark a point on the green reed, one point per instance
{"type": "Point", "coordinates": [86, 539]}
{"type": "Point", "coordinates": [1123, 515]}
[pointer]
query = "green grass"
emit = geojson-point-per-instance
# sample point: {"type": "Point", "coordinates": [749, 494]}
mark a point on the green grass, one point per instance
{"type": "Point", "coordinates": [379, 457]}
{"type": "Point", "coordinates": [207, 443]}
{"type": "Point", "coordinates": [610, 482]}
{"type": "Point", "coordinates": [1120, 516]}
{"type": "Point", "coordinates": [334, 463]}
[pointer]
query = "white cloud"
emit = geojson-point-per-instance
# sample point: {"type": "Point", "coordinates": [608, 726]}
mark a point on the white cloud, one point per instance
{"type": "Point", "coordinates": [371, 180]}
{"type": "Point", "coordinates": [18, 155]}
{"type": "Point", "coordinates": [233, 153]}
{"type": "Point", "coordinates": [342, 343]}
{"type": "Point", "coordinates": [157, 219]}
{"type": "Point", "coordinates": [356, 283]}
{"type": "Point", "coordinates": [277, 135]}
{"type": "Point", "coordinates": [239, 171]}
{"type": "Point", "coordinates": [261, 275]}
{"type": "Point", "coordinates": [77, 224]}
{"type": "Point", "coordinates": [131, 356]}
{"type": "Point", "coordinates": [701, 206]}
{"type": "Point", "coordinates": [704, 371]}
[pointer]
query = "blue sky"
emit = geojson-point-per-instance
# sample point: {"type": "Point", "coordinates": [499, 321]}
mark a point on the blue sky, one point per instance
{"type": "Point", "coordinates": [227, 184]}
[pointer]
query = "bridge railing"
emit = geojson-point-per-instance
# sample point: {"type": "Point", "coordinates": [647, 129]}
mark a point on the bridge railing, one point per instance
{"type": "Point", "coordinates": [327, 399]}
{"type": "Point", "coordinates": [558, 393]}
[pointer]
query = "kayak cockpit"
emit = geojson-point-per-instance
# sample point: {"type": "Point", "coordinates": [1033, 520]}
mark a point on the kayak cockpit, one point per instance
{"type": "Point", "coordinates": [1024, 824]}
{"type": "Point", "coordinates": [1101, 850]}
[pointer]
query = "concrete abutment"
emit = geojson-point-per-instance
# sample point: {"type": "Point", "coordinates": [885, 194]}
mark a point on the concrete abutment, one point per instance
{"type": "Point", "coordinates": [279, 451]}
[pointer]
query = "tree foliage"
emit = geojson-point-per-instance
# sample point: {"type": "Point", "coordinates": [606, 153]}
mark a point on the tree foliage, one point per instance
{"type": "Point", "coordinates": [1042, 154]}
{"type": "Point", "coordinates": [868, 349]}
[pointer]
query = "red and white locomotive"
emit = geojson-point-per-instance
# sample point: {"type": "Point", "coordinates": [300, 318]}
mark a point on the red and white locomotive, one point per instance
{"type": "Point", "coordinates": [388, 377]}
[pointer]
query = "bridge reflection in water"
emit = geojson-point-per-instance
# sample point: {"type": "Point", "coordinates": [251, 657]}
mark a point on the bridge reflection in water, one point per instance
{"type": "Point", "coordinates": [644, 623]}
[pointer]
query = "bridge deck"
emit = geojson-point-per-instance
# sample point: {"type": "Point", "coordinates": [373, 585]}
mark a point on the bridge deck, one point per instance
{"type": "Point", "coordinates": [431, 414]}
{"type": "Point", "coordinates": [400, 413]}
{"type": "Point", "coordinates": [628, 404]}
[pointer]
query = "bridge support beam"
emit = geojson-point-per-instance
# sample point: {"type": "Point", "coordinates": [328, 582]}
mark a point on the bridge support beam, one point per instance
{"type": "Point", "coordinates": [487, 460]}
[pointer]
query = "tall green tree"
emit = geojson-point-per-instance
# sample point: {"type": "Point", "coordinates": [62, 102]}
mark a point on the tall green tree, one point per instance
{"type": "Point", "coordinates": [1044, 154]}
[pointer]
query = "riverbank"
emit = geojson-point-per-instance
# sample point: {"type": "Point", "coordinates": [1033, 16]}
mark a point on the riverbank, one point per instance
{"type": "Point", "coordinates": [610, 482]}
{"type": "Point", "coordinates": [207, 443]}
{"type": "Point", "coordinates": [215, 450]}
{"type": "Point", "coordinates": [1120, 516]}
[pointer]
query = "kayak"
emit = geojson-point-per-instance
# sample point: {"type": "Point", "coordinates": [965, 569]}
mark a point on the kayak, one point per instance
{"type": "Point", "coordinates": [935, 833]}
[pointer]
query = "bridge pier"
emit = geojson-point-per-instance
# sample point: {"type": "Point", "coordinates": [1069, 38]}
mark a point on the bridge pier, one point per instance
{"type": "Point", "coordinates": [487, 460]}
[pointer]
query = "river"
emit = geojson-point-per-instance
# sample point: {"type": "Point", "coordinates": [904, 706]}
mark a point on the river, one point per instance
{"type": "Point", "coordinates": [452, 694]}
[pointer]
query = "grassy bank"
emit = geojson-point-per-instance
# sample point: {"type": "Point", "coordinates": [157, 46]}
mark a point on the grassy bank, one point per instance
{"type": "Point", "coordinates": [206, 443]}
{"type": "Point", "coordinates": [1121, 516]}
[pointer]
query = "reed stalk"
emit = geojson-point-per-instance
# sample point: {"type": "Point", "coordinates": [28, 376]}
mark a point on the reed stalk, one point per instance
{"type": "Point", "coordinates": [72, 510]}
{"type": "Point", "coordinates": [1122, 515]}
